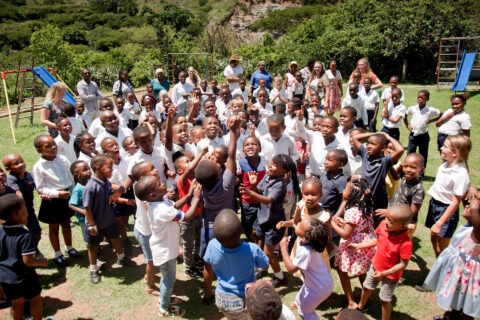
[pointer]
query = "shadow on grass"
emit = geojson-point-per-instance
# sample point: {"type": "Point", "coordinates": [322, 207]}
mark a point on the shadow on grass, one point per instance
{"type": "Point", "coordinates": [52, 305]}
{"type": "Point", "coordinates": [54, 279]}
{"type": "Point", "coordinates": [428, 179]}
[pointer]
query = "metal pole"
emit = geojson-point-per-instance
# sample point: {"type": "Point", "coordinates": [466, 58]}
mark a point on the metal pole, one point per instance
{"type": "Point", "coordinates": [173, 69]}
{"type": "Point", "coordinates": [8, 107]}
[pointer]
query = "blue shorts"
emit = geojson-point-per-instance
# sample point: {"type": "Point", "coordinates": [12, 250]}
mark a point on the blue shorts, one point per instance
{"type": "Point", "coordinates": [123, 210]}
{"type": "Point", "coordinates": [111, 232]}
{"type": "Point", "coordinates": [435, 210]}
{"type": "Point", "coordinates": [29, 288]}
{"type": "Point", "coordinates": [269, 232]}
{"type": "Point", "coordinates": [205, 236]}
{"type": "Point", "coordinates": [144, 242]}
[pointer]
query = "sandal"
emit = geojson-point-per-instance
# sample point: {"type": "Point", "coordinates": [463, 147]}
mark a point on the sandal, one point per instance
{"type": "Point", "coordinates": [172, 311]}
{"type": "Point", "coordinates": [294, 306]}
{"type": "Point", "coordinates": [173, 300]}
{"type": "Point", "coordinates": [153, 291]}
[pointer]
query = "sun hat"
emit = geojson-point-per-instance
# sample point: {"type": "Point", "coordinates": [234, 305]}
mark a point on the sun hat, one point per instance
{"type": "Point", "coordinates": [234, 57]}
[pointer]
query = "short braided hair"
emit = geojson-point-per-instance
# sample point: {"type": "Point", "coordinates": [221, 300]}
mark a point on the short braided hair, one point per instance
{"type": "Point", "coordinates": [264, 303]}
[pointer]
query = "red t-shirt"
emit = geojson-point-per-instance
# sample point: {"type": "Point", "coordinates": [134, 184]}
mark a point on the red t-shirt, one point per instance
{"type": "Point", "coordinates": [182, 192]}
{"type": "Point", "coordinates": [391, 248]}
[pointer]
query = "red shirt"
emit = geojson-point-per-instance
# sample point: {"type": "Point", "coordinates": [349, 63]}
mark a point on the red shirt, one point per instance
{"type": "Point", "coordinates": [182, 192]}
{"type": "Point", "coordinates": [391, 248]}
{"type": "Point", "coordinates": [245, 168]}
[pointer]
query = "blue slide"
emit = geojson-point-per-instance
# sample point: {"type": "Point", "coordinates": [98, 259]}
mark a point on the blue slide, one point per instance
{"type": "Point", "coordinates": [49, 79]}
{"type": "Point", "coordinates": [463, 73]}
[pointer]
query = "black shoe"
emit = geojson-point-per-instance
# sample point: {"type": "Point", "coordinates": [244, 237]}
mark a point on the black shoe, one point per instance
{"type": "Point", "coordinates": [421, 288]}
{"type": "Point", "coordinates": [364, 308]}
{"type": "Point", "coordinates": [95, 277]}
{"type": "Point", "coordinates": [4, 304]}
{"type": "Point", "coordinates": [277, 282]}
{"type": "Point", "coordinates": [73, 253]}
{"type": "Point", "coordinates": [259, 274]}
{"type": "Point", "coordinates": [61, 262]}
{"type": "Point", "coordinates": [127, 246]}
{"type": "Point", "coordinates": [126, 262]}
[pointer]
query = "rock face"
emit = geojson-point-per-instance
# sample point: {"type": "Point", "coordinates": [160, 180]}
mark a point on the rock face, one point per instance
{"type": "Point", "coordinates": [246, 13]}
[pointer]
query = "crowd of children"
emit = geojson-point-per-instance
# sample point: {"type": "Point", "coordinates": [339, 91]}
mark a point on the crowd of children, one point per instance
{"type": "Point", "coordinates": [234, 182]}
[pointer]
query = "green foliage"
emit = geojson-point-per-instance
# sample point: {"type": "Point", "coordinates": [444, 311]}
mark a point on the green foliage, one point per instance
{"type": "Point", "coordinates": [73, 34]}
{"type": "Point", "coordinates": [9, 12]}
{"type": "Point", "coordinates": [127, 6]}
{"type": "Point", "coordinates": [103, 6]}
{"type": "Point", "coordinates": [175, 16]}
{"type": "Point", "coordinates": [104, 38]}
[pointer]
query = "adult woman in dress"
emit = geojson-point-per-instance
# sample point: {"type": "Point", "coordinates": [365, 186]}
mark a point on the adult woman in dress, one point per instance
{"type": "Point", "coordinates": [260, 74]}
{"type": "Point", "coordinates": [307, 71]}
{"type": "Point", "coordinates": [363, 66]}
{"type": "Point", "coordinates": [52, 107]}
{"type": "Point", "coordinates": [335, 79]}
{"type": "Point", "coordinates": [319, 83]}
{"type": "Point", "coordinates": [159, 83]}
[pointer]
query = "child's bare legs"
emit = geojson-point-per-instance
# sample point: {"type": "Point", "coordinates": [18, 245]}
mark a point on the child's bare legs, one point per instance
{"type": "Point", "coordinates": [458, 314]}
{"type": "Point", "coordinates": [361, 278]}
{"type": "Point", "coordinates": [92, 254]}
{"type": "Point", "coordinates": [53, 230]}
{"type": "Point", "coordinates": [439, 244]}
{"type": "Point", "coordinates": [347, 288]}
{"type": "Point", "coordinates": [17, 308]}
{"type": "Point", "coordinates": [366, 295]}
{"type": "Point", "coordinates": [386, 310]}
{"type": "Point", "coordinates": [117, 245]}
{"type": "Point", "coordinates": [67, 233]}
{"type": "Point", "coordinates": [150, 273]}
{"type": "Point", "coordinates": [268, 250]}
{"type": "Point", "coordinates": [36, 307]}
{"type": "Point", "coordinates": [121, 227]}
{"type": "Point", "coordinates": [208, 279]}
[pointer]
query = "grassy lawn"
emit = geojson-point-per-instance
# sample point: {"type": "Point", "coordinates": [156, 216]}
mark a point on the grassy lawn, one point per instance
{"type": "Point", "coordinates": [68, 294]}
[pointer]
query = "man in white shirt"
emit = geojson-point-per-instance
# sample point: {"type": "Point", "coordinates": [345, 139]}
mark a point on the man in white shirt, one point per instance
{"type": "Point", "coordinates": [89, 93]}
{"type": "Point", "coordinates": [233, 72]}
{"type": "Point", "coordinates": [180, 93]}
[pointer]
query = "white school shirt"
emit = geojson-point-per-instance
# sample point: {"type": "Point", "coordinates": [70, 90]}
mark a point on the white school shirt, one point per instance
{"type": "Point", "coordinates": [124, 117]}
{"type": "Point", "coordinates": [159, 107]}
{"type": "Point", "coordinates": [344, 137]}
{"type": "Point", "coordinates": [133, 108]}
{"type": "Point", "coordinates": [370, 99]}
{"type": "Point", "coordinates": [142, 222]}
{"type": "Point", "coordinates": [210, 143]}
{"type": "Point", "coordinates": [235, 72]}
{"type": "Point", "coordinates": [274, 93]}
{"type": "Point", "coordinates": [157, 158]}
{"type": "Point", "coordinates": [419, 118]}
{"type": "Point", "coordinates": [86, 118]}
{"type": "Point", "coordinates": [311, 115]}
{"type": "Point", "coordinates": [77, 125]}
{"type": "Point", "coordinates": [290, 127]}
{"type": "Point", "coordinates": [264, 112]}
{"type": "Point", "coordinates": [297, 88]}
{"type": "Point", "coordinates": [120, 172]}
{"type": "Point", "coordinates": [285, 145]}
{"type": "Point", "coordinates": [222, 108]}
{"type": "Point", "coordinates": [165, 232]}
{"type": "Point", "coordinates": [239, 152]}
{"type": "Point", "coordinates": [121, 135]}
{"type": "Point", "coordinates": [84, 157]}
{"type": "Point", "coordinates": [239, 92]}
{"type": "Point", "coordinates": [359, 105]}
{"type": "Point", "coordinates": [143, 115]}
{"type": "Point", "coordinates": [393, 112]}
{"type": "Point", "coordinates": [52, 176]}
{"type": "Point", "coordinates": [361, 90]}
{"type": "Point", "coordinates": [96, 127]}
{"type": "Point", "coordinates": [388, 92]}
{"type": "Point", "coordinates": [260, 130]}
{"type": "Point", "coordinates": [255, 92]}
{"type": "Point", "coordinates": [178, 90]}
{"type": "Point", "coordinates": [66, 149]}
{"type": "Point", "coordinates": [449, 181]}
{"type": "Point", "coordinates": [318, 150]}
{"type": "Point", "coordinates": [455, 125]}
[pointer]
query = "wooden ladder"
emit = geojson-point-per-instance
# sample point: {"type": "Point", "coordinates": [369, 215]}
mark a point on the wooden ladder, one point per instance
{"type": "Point", "coordinates": [30, 81]}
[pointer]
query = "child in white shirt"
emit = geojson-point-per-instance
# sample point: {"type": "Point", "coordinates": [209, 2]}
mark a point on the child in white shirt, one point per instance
{"type": "Point", "coordinates": [262, 84]}
{"type": "Point", "coordinates": [124, 116]}
{"type": "Point", "coordinates": [65, 140]}
{"type": "Point", "coordinates": [371, 102]}
{"type": "Point", "coordinates": [265, 108]}
{"type": "Point", "coordinates": [422, 115]}
{"type": "Point", "coordinates": [164, 216]}
{"type": "Point", "coordinates": [393, 114]}
{"type": "Point", "coordinates": [134, 108]}
{"type": "Point", "coordinates": [454, 121]}
{"type": "Point", "coordinates": [180, 93]}
{"type": "Point", "coordinates": [278, 94]}
{"type": "Point", "coordinates": [355, 100]}
{"type": "Point", "coordinates": [387, 93]}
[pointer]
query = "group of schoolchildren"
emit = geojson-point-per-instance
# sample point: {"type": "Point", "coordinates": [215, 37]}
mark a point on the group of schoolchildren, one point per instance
{"type": "Point", "coordinates": [234, 187]}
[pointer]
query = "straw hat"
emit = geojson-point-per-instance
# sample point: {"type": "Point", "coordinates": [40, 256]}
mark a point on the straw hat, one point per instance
{"type": "Point", "coordinates": [293, 63]}
{"type": "Point", "coordinates": [234, 57]}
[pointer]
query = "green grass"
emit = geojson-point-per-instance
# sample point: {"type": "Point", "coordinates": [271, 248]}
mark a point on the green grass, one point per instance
{"type": "Point", "coordinates": [68, 293]}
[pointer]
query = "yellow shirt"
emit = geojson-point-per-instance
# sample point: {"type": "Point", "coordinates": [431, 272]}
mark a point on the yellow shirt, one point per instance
{"type": "Point", "coordinates": [391, 184]}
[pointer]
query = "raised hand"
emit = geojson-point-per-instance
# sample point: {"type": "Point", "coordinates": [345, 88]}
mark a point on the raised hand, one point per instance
{"type": "Point", "coordinates": [244, 191]}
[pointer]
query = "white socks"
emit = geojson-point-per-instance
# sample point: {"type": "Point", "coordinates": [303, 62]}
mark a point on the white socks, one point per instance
{"type": "Point", "coordinates": [121, 256]}
{"type": "Point", "coordinates": [58, 254]}
{"type": "Point", "coordinates": [69, 248]}
{"type": "Point", "coordinates": [279, 275]}
{"type": "Point", "coordinates": [93, 267]}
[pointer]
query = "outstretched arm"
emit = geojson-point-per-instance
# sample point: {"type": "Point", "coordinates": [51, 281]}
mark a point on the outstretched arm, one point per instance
{"type": "Point", "coordinates": [232, 146]}
{"type": "Point", "coordinates": [398, 148]}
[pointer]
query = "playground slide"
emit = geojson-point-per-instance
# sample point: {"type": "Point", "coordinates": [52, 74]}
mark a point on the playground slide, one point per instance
{"type": "Point", "coordinates": [463, 73]}
{"type": "Point", "coordinates": [49, 79]}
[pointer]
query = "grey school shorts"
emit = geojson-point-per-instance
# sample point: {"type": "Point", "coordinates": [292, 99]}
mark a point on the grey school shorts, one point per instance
{"type": "Point", "coordinates": [387, 288]}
